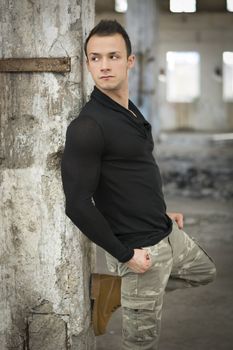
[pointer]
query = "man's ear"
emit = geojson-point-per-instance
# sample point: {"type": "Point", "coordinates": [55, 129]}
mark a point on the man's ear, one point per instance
{"type": "Point", "coordinates": [131, 61]}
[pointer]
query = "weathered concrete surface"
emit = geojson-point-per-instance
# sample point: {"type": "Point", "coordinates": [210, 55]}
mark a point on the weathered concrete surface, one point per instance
{"type": "Point", "coordinates": [49, 328]}
{"type": "Point", "coordinates": [142, 20]}
{"type": "Point", "coordinates": [45, 261]}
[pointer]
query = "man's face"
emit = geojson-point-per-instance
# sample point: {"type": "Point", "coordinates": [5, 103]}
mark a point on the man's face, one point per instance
{"type": "Point", "coordinates": [107, 61]}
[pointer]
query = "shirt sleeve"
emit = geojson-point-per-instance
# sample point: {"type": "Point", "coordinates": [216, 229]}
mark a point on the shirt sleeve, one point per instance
{"type": "Point", "coordinates": [80, 169]}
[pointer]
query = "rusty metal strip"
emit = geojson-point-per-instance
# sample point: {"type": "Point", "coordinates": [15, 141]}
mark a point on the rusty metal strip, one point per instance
{"type": "Point", "coordinates": [20, 65]}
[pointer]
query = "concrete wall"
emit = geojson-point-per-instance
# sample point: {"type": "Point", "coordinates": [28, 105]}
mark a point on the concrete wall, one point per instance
{"type": "Point", "coordinates": [210, 35]}
{"type": "Point", "coordinates": [110, 15]}
{"type": "Point", "coordinates": [142, 27]}
{"type": "Point", "coordinates": [45, 261]}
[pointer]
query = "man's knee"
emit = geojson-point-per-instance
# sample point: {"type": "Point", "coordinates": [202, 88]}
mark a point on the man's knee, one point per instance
{"type": "Point", "coordinates": [210, 274]}
{"type": "Point", "coordinates": [204, 265]}
{"type": "Point", "coordinates": [196, 275]}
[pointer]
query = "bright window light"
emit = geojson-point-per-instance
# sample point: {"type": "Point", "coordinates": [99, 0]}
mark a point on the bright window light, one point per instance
{"type": "Point", "coordinates": [183, 76]}
{"type": "Point", "coordinates": [228, 76]}
{"type": "Point", "coordinates": [121, 6]}
{"type": "Point", "coordinates": [183, 5]}
{"type": "Point", "coordinates": [230, 5]}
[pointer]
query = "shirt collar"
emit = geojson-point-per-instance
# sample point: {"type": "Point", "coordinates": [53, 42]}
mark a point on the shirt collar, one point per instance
{"type": "Point", "coordinates": [110, 103]}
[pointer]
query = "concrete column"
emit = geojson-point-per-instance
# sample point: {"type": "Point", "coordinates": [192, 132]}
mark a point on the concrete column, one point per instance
{"type": "Point", "coordinates": [142, 27]}
{"type": "Point", "coordinates": [45, 261]}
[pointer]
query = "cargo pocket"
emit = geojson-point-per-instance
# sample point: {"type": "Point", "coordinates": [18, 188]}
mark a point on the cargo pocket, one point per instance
{"type": "Point", "coordinates": [140, 325]}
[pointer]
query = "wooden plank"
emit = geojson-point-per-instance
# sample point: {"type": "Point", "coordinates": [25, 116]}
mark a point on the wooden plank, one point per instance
{"type": "Point", "coordinates": [43, 64]}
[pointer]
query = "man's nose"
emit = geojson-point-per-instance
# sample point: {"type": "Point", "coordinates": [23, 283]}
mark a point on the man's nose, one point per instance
{"type": "Point", "coordinates": [105, 64]}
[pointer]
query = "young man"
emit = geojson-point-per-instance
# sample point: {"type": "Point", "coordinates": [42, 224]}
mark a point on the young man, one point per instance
{"type": "Point", "coordinates": [108, 157]}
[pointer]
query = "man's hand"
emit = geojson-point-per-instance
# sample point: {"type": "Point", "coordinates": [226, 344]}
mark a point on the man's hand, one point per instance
{"type": "Point", "coordinates": [178, 217]}
{"type": "Point", "coordinates": [140, 262]}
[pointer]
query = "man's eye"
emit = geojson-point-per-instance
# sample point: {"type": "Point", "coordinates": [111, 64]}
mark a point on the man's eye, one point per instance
{"type": "Point", "coordinates": [114, 57]}
{"type": "Point", "coordinates": [94, 58]}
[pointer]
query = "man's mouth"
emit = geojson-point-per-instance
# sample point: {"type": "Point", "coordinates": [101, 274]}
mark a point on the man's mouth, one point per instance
{"type": "Point", "coordinates": [106, 76]}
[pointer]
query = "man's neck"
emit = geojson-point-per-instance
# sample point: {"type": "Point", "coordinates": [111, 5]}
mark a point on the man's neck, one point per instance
{"type": "Point", "coordinates": [120, 96]}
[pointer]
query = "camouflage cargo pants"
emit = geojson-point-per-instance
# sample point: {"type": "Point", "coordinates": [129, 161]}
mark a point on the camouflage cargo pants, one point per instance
{"type": "Point", "coordinates": [178, 261]}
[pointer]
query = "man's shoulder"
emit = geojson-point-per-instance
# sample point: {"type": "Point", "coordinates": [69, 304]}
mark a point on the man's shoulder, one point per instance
{"type": "Point", "coordinates": [86, 113]}
{"type": "Point", "coordinates": [85, 122]}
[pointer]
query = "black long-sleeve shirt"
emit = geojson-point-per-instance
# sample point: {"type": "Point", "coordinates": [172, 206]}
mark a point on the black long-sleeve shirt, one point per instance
{"type": "Point", "coordinates": [108, 157]}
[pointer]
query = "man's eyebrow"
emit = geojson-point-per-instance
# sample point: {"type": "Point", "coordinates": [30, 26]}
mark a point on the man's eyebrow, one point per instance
{"type": "Point", "coordinates": [94, 53]}
{"type": "Point", "coordinates": [109, 53]}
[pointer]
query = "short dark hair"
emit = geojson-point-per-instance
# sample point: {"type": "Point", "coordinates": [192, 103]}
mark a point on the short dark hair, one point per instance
{"type": "Point", "coordinates": [107, 28]}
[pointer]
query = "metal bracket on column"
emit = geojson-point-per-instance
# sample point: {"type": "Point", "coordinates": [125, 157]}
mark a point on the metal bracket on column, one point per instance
{"type": "Point", "coordinates": [21, 65]}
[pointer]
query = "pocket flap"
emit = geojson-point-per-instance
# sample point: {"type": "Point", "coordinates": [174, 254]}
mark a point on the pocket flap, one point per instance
{"type": "Point", "coordinates": [136, 303]}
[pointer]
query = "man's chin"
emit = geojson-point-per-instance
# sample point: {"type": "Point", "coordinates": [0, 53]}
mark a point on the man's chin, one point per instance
{"type": "Point", "coordinates": [107, 86]}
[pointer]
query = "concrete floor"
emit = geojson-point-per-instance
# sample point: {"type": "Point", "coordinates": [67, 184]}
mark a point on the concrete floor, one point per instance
{"type": "Point", "coordinates": [196, 318]}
